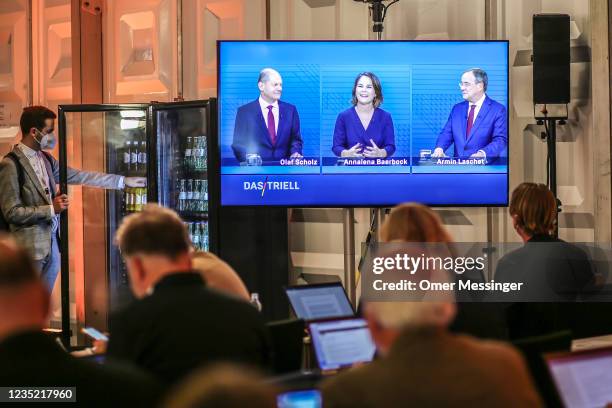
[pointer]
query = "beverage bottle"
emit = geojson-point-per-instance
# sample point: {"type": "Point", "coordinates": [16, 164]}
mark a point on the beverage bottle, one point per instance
{"type": "Point", "coordinates": [189, 199]}
{"type": "Point", "coordinates": [196, 236]}
{"type": "Point", "coordinates": [189, 152]}
{"type": "Point", "coordinates": [201, 235]}
{"type": "Point", "coordinates": [137, 200]}
{"type": "Point", "coordinates": [204, 160]}
{"type": "Point", "coordinates": [144, 196]}
{"type": "Point", "coordinates": [205, 240]}
{"type": "Point", "coordinates": [194, 154]}
{"type": "Point", "coordinates": [255, 301]}
{"type": "Point", "coordinates": [196, 195]}
{"type": "Point", "coordinates": [127, 156]}
{"type": "Point", "coordinates": [198, 160]}
{"type": "Point", "coordinates": [200, 188]}
{"type": "Point", "coordinates": [142, 156]}
{"type": "Point", "coordinates": [134, 158]}
{"type": "Point", "coordinates": [126, 199]}
{"type": "Point", "coordinates": [133, 202]}
{"type": "Point", "coordinates": [129, 199]}
{"type": "Point", "coordinates": [204, 195]}
{"type": "Point", "coordinates": [190, 230]}
{"type": "Point", "coordinates": [182, 196]}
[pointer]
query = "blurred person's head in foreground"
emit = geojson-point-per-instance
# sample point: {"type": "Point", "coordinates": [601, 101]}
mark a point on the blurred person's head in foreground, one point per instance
{"type": "Point", "coordinates": [533, 209]}
{"type": "Point", "coordinates": [219, 275]}
{"type": "Point", "coordinates": [223, 386]}
{"type": "Point", "coordinates": [24, 300]}
{"type": "Point", "coordinates": [154, 243]}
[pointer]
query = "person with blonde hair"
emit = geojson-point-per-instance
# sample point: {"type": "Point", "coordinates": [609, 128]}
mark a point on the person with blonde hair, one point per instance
{"type": "Point", "coordinates": [219, 275]}
{"type": "Point", "coordinates": [422, 363]}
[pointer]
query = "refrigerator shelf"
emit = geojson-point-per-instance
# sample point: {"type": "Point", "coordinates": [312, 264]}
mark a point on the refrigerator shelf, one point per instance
{"type": "Point", "coordinates": [194, 216]}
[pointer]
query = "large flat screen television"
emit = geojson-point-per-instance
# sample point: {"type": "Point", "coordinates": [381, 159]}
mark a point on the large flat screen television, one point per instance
{"type": "Point", "coordinates": [363, 123]}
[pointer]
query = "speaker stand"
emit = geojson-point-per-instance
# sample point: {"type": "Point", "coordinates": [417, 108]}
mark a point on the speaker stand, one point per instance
{"type": "Point", "coordinates": [550, 124]}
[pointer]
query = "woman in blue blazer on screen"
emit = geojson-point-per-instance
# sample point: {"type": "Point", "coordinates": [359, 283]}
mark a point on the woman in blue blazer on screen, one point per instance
{"type": "Point", "coordinates": [364, 130]}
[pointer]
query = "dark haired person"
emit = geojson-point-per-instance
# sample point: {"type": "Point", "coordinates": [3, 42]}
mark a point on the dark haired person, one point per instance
{"type": "Point", "coordinates": [267, 127]}
{"type": "Point", "coordinates": [31, 209]}
{"type": "Point", "coordinates": [477, 127]}
{"type": "Point", "coordinates": [177, 324]}
{"type": "Point", "coordinates": [552, 270]}
{"type": "Point", "coordinates": [365, 130]}
{"type": "Point", "coordinates": [30, 358]}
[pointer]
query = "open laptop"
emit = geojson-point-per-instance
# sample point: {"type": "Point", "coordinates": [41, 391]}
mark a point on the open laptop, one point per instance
{"type": "Point", "coordinates": [583, 378]}
{"type": "Point", "coordinates": [341, 343]}
{"type": "Point", "coordinates": [319, 301]}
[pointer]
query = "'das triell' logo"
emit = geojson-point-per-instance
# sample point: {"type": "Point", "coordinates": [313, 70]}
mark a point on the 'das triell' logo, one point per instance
{"type": "Point", "coordinates": [266, 185]}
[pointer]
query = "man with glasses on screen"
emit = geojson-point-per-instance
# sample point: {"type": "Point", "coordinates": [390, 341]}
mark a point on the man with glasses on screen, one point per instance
{"type": "Point", "coordinates": [477, 127]}
{"type": "Point", "coordinates": [267, 129]}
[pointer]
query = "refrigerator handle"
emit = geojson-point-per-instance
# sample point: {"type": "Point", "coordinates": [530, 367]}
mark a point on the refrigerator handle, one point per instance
{"type": "Point", "coordinates": [151, 135]}
{"type": "Point", "coordinates": [63, 231]}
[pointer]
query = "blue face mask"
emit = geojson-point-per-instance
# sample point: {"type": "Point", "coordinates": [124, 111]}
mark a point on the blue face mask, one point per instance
{"type": "Point", "coordinates": [47, 141]}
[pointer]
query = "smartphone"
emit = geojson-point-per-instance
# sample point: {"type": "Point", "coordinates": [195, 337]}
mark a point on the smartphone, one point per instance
{"type": "Point", "coordinates": [94, 333]}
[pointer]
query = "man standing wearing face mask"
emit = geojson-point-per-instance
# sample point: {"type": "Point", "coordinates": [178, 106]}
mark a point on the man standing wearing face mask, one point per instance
{"type": "Point", "coordinates": [31, 209]}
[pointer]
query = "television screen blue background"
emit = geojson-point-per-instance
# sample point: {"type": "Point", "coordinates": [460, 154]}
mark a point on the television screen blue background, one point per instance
{"type": "Point", "coordinates": [420, 84]}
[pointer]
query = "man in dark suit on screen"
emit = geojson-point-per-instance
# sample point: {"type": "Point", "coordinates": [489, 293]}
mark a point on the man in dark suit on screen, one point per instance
{"type": "Point", "coordinates": [477, 127]}
{"type": "Point", "coordinates": [267, 127]}
{"type": "Point", "coordinates": [177, 324]}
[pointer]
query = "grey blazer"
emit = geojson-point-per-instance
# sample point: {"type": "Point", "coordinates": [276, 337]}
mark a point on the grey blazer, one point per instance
{"type": "Point", "coordinates": [26, 209]}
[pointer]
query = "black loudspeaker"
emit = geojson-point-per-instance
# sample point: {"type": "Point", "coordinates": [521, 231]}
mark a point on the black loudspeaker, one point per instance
{"type": "Point", "coordinates": [551, 58]}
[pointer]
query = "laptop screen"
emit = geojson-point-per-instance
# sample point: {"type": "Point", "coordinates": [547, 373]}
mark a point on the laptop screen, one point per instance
{"type": "Point", "coordinates": [341, 343]}
{"type": "Point", "coordinates": [312, 302]}
{"type": "Point", "coordinates": [300, 399]}
{"type": "Point", "coordinates": [583, 379]}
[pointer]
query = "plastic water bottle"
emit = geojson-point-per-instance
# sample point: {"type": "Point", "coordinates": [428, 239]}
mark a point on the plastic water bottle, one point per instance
{"type": "Point", "coordinates": [255, 301]}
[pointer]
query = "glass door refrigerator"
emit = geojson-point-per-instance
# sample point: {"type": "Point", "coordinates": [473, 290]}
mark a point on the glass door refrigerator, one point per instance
{"type": "Point", "coordinates": [185, 132]}
{"type": "Point", "coordinates": [169, 144]}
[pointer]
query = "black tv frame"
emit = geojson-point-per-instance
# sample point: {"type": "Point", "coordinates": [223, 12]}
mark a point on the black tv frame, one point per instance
{"type": "Point", "coordinates": [386, 205]}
